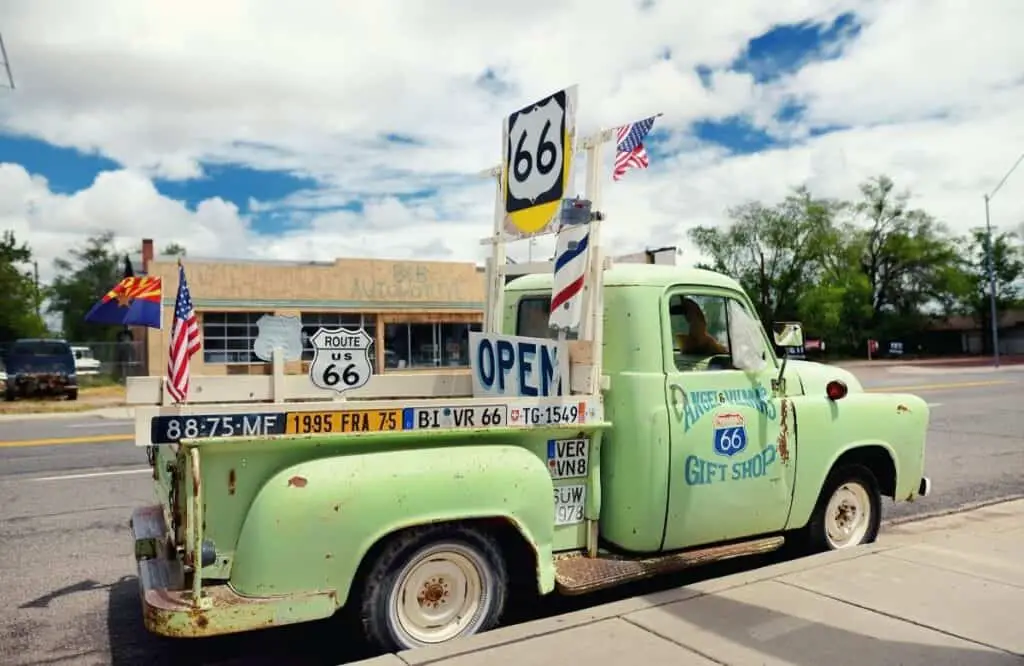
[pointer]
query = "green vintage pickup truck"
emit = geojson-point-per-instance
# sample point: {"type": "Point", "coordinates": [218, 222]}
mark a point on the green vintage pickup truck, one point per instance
{"type": "Point", "coordinates": [416, 506]}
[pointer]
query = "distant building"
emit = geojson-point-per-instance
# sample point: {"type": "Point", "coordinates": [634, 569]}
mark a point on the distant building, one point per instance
{"type": "Point", "coordinates": [419, 312]}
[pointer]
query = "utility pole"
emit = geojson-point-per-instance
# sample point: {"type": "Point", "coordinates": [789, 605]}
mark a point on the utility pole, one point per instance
{"type": "Point", "coordinates": [990, 260]}
{"type": "Point", "coordinates": [39, 300]}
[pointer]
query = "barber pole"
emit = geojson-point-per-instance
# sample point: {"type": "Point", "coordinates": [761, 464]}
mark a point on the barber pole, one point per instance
{"type": "Point", "coordinates": [572, 250]}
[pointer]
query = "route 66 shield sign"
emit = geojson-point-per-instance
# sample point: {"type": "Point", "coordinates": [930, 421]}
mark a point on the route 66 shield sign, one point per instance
{"type": "Point", "coordinates": [341, 358]}
{"type": "Point", "coordinates": [538, 150]}
{"type": "Point", "coordinates": [729, 433]}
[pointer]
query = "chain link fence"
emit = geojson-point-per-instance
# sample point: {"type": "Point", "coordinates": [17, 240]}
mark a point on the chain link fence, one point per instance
{"type": "Point", "coordinates": [110, 361]}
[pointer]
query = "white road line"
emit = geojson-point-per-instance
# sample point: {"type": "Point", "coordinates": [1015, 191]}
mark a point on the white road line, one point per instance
{"type": "Point", "coordinates": [93, 475]}
{"type": "Point", "coordinates": [934, 404]}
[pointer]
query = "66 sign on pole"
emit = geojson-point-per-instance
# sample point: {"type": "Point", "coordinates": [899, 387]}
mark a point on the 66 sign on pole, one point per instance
{"type": "Point", "coordinates": [539, 142]}
{"type": "Point", "coordinates": [341, 359]}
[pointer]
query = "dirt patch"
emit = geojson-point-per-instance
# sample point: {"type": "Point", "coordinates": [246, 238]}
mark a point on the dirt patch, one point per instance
{"type": "Point", "coordinates": [88, 399]}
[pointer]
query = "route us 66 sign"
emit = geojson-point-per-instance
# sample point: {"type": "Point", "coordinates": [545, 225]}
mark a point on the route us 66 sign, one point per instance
{"type": "Point", "coordinates": [341, 358]}
{"type": "Point", "coordinates": [539, 141]}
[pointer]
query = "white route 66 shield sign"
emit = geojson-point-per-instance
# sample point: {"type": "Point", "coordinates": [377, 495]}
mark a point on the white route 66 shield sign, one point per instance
{"type": "Point", "coordinates": [341, 358]}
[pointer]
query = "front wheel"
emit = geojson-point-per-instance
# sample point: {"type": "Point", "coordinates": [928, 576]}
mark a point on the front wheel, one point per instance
{"type": "Point", "coordinates": [432, 585]}
{"type": "Point", "coordinates": [849, 511]}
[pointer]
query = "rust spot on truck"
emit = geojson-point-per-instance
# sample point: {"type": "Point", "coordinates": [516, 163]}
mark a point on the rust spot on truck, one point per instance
{"type": "Point", "coordinates": [199, 619]}
{"type": "Point", "coordinates": [783, 441]}
{"type": "Point", "coordinates": [297, 482]}
{"type": "Point", "coordinates": [231, 481]}
{"type": "Point", "coordinates": [901, 409]}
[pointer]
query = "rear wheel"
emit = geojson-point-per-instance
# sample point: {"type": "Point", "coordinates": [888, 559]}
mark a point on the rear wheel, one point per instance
{"type": "Point", "coordinates": [72, 394]}
{"type": "Point", "coordinates": [432, 585]}
{"type": "Point", "coordinates": [849, 511]}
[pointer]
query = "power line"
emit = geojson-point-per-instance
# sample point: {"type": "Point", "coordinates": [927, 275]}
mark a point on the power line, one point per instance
{"type": "Point", "coordinates": [6, 62]}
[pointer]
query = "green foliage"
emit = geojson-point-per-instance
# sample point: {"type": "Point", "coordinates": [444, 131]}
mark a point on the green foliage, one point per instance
{"type": "Point", "coordinates": [91, 272]}
{"type": "Point", "coordinates": [873, 267]}
{"type": "Point", "coordinates": [19, 296]}
{"type": "Point", "coordinates": [174, 250]}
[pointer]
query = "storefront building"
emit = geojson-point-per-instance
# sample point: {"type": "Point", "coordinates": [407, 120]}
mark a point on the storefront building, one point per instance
{"type": "Point", "coordinates": [418, 312]}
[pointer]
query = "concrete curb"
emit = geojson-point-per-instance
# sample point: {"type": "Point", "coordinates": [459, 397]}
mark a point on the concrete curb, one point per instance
{"type": "Point", "coordinates": [551, 625]}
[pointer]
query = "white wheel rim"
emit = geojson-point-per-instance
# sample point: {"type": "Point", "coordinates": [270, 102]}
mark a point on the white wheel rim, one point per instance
{"type": "Point", "coordinates": [441, 593]}
{"type": "Point", "coordinates": [848, 515]}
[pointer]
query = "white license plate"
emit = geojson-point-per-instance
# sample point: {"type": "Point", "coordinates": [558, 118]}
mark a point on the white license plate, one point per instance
{"type": "Point", "coordinates": [477, 416]}
{"type": "Point", "coordinates": [570, 503]}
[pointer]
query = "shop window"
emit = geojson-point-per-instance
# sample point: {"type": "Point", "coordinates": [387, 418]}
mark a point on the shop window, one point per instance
{"type": "Point", "coordinates": [311, 321]}
{"type": "Point", "coordinates": [228, 337]}
{"type": "Point", "coordinates": [427, 345]}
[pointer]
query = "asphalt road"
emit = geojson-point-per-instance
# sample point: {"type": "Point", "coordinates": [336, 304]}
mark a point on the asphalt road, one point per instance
{"type": "Point", "coordinates": [67, 577]}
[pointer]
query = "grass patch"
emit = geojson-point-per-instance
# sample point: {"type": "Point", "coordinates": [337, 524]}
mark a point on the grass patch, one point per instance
{"type": "Point", "coordinates": [94, 397]}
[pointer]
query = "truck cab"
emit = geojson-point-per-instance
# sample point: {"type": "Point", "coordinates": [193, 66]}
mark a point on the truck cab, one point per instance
{"type": "Point", "coordinates": [738, 433]}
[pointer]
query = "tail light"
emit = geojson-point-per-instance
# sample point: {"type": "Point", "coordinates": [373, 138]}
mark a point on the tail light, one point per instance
{"type": "Point", "coordinates": [836, 390]}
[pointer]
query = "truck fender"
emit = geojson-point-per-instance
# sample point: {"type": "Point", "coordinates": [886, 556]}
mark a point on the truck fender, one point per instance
{"type": "Point", "coordinates": [311, 524]}
{"type": "Point", "coordinates": [884, 445]}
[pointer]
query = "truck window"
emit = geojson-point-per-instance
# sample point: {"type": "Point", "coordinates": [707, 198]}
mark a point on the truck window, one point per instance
{"type": "Point", "coordinates": [700, 331]}
{"type": "Point", "coordinates": [532, 318]}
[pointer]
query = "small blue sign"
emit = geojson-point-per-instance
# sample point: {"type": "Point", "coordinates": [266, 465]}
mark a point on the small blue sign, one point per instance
{"type": "Point", "coordinates": [730, 434]}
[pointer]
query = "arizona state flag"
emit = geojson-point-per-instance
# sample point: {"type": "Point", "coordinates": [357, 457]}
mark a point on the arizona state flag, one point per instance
{"type": "Point", "coordinates": [134, 301]}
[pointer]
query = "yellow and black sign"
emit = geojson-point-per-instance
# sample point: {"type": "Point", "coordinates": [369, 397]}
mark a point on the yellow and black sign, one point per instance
{"type": "Point", "coordinates": [539, 145]}
{"type": "Point", "coordinates": [326, 423]}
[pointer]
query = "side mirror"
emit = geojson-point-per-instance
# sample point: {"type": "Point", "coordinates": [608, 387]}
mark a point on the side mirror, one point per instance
{"type": "Point", "coordinates": [788, 334]}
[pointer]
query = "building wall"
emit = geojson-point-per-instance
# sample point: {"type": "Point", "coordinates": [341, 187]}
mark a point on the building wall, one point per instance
{"type": "Point", "coordinates": [418, 311]}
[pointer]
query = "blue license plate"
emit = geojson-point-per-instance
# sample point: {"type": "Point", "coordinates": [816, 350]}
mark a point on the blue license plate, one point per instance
{"type": "Point", "coordinates": [173, 429]}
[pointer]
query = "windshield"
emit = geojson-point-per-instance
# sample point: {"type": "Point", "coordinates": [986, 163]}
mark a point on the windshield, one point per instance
{"type": "Point", "coordinates": [39, 348]}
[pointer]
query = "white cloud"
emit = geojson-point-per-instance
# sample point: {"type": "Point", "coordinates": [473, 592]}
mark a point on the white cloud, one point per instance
{"type": "Point", "coordinates": [930, 92]}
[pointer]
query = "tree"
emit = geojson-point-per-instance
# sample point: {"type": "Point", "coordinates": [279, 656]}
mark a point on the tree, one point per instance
{"type": "Point", "coordinates": [81, 281]}
{"type": "Point", "coordinates": [1008, 267]}
{"type": "Point", "coordinates": [19, 294]}
{"type": "Point", "coordinates": [905, 253]}
{"type": "Point", "coordinates": [174, 250]}
{"type": "Point", "coordinates": [773, 251]}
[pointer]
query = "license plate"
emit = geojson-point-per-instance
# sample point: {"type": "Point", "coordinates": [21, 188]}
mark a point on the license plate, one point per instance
{"type": "Point", "coordinates": [173, 429]}
{"type": "Point", "coordinates": [325, 423]}
{"type": "Point", "coordinates": [477, 416]}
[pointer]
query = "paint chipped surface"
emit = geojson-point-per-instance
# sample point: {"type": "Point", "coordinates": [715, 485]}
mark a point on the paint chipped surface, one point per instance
{"type": "Point", "coordinates": [231, 481]}
{"type": "Point", "coordinates": [783, 440]}
{"type": "Point", "coordinates": [900, 409]}
{"type": "Point", "coordinates": [297, 482]}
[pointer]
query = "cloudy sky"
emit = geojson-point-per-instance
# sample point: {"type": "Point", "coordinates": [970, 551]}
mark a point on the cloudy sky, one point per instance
{"type": "Point", "coordinates": [319, 129]}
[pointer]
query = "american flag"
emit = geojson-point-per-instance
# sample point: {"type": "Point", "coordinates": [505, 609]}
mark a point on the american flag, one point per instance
{"type": "Point", "coordinates": [184, 341]}
{"type": "Point", "coordinates": [629, 149]}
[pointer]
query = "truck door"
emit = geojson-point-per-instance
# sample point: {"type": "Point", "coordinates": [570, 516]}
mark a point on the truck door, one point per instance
{"type": "Point", "coordinates": [733, 447]}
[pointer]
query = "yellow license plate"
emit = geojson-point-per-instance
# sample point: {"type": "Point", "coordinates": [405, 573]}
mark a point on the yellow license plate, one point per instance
{"type": "Point", "coordinates": [325, 423]}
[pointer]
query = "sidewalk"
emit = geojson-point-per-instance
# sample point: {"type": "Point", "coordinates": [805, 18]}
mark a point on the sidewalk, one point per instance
{"type": "Point", "coordinates": [947, 590]}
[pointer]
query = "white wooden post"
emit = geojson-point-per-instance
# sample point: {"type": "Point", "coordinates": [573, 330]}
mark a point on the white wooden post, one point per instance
{"type": "Point", "coordinates": [592, 324]}
{"type": "Point", "coordinates": [277, 390]}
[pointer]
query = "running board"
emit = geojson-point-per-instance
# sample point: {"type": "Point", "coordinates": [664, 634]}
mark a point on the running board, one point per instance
{"type": "Point", "coordinates": [579, 574]}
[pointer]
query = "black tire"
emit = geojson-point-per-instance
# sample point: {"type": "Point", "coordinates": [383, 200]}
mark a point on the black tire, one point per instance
{"type": "Point", "coordinates": [10, 395]}
{"type": "Point", "coordinates": [381, 597]}
{"type": "Point", "coordinates": [72, 394]}
{"type": "Point", "coordinates": [851, 480]}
